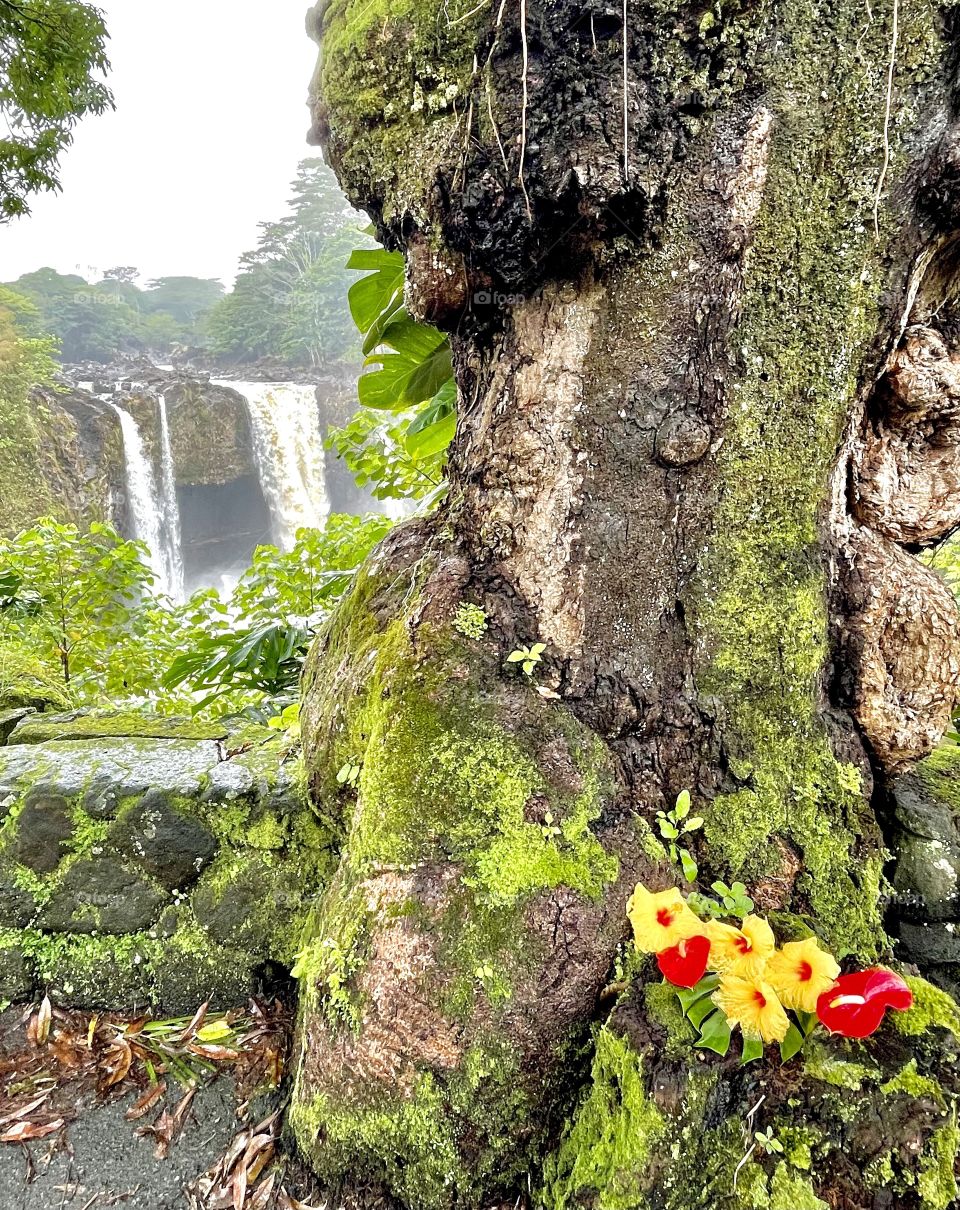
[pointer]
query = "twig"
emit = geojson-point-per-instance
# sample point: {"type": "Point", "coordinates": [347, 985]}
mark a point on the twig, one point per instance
{"type": "Point", "coordinates": [523, 111]}
{"type": "Point", "coordinates": [894, 34]}
{"type": "Point", "coordinates": [737, 1170]}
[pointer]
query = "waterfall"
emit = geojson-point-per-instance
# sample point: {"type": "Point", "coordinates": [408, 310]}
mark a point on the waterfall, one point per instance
{"type": "Point", "coordinates": [172, 551]}
{"type": "Point", "coordinates": [142, 494]}
{"type": "Point", "coordinates": [288, 448]}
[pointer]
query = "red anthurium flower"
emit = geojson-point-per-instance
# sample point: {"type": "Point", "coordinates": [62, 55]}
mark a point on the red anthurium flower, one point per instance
{"type": "Point", "coordinates": [684, 964]}
{"type": "Point", "coordinates": [855, 1005]}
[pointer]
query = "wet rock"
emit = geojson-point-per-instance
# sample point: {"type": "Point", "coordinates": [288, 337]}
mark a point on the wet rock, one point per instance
{"type": "Point", "coordinates": [17, 975]}
{"type": "Point", "coordinates": [925, 840]}
{"type": "Point", "coordinates": [42, 832]}
{"type": "Point", "coordinates": [935, 944]}
{"type": "Point", "coordinates": [170, 845]}
{"type": "Point", "coordinates": [99, 894]}
{"type": "Point", "coordinates": [17, 906]}
{"type": "Point", "coordinates": [130, 766]}
{"type": "Point", "coordinates": [9, 719]}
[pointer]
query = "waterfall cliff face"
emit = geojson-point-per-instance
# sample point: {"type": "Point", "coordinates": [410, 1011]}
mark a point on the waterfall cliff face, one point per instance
{"type": "Point", "coordinates": [142, 494]}
{"type": "Point", "coordinates": [172, 551]}
{"type": "Point", "coordinates": [288, 448]}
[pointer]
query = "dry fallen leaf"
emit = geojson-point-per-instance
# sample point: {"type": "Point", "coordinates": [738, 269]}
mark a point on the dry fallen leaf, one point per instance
{"type": "Point", "coordinates": [23, 1132]}
{"type": "Point", "coordinates": [144, 1104]}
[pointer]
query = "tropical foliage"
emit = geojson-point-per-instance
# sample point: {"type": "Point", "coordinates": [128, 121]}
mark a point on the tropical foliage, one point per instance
{"type": "Point", "coordinates": [115, 317]}
{"type": "Point", "coordinates": [397, 441]}
{"type": "Point", "coordinates": [83, 604]}
{"type": "Point", "coordinates": [52, 58]}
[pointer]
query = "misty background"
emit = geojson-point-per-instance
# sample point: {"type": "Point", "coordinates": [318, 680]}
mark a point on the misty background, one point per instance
{"type": "Point", "coordinates": [209, 126]}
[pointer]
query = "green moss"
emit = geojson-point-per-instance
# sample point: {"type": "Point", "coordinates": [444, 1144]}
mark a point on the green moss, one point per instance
{"type": "Point", "coordinates": [409, 1139]}
{"type": "Point", "coordinates": [663, 1007]}
{"type": "Point", "coordinates": [103, 724]}
{"type": "Point", "coordinates": [940, 774]}
{"type": "Point", "coordinates": [26, 681]}
{"type": "Point", "coordinates": [470, 621]}
{"type": "Point", "coordinates": [615, 1130]}
{"type": "Point", "coordinates": [820, 1063]}
{"type": "Point", "coordinates": [936, 1179]}
{"type": "Point", "coordinates": [392, 126]}
{"type": "Point", "coordinates": [912, 1084]}
{"type": "Point", "coordinates": [931, 1008]}
{"type": "Point", "coordinates": [442, 771]}
{"type": "Point", "coordinates": [788, 1191]}
{"type": "Point", "coordinates": [761, 593]}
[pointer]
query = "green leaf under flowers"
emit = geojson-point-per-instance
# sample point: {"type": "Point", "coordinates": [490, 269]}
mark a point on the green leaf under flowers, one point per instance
{"type": "Point", "coordinates": [690, 995]}
{"type": "Point", "coordinates": [807, 1021]}
{"type": "Point", "coordinates": [752, 1050]}
{"type": "Point", "coordinates": [792, 1044]}
{"type": "Point", "coordinates": [700, 1011]}
{"type": "Point", "coordinates": [715, 1033]}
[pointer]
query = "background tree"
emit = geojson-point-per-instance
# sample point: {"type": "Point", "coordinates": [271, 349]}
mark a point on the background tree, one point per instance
{"type": "Point", "coordinates": [52, 58]}
{"type": "Point", "coordinates": [698, 270]}
{"type": "Point", "coordinates": [288, 301]}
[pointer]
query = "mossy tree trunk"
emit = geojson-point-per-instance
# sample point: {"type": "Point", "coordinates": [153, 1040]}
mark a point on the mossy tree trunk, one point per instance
{"type": "Point", "coordinates": [699, 267]}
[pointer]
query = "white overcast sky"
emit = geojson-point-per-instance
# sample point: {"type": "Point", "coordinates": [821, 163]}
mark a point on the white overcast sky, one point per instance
{"type": "Point", "coordinates": [210, 123]}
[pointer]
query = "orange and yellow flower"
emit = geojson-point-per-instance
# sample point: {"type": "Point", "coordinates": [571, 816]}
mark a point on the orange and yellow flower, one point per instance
{"type": "Point", "coordinates": [751, 1003]}
{"type": "Point", "coordinates": [660, 920]}
{"type": "Point", "coordinates": [740, 951]}
{"type": "Point", "coordinates": [800, 973]}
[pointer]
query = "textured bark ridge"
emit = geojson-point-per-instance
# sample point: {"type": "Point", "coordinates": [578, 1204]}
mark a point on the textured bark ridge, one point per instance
{"type": "Point", "coordinates": [706, 421]}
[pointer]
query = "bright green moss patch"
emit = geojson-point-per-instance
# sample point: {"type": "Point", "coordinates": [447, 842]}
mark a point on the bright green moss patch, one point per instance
{"type": "Point", "coordinates": [409, 1139]}
{"type": "Point", "coordinates": [660, 1000]}
{"type": "Point", "coordinates": [607, 1150]}
{"type": "Point", "coordinates": [936, 1179]}
{"type": "Point", "coordinates": [26, 681]}
{"type": "Point", "coordinates": [931, 1007]}
{"type": "Point", "coordinates": [912, 1084]}
{"type": "Point", "coordinates": [790, 1191]}
{"type": "Point", "coordinates": [940, 774]}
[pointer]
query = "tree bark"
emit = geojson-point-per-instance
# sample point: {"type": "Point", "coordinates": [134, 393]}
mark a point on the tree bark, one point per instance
{"type": "Point", "coordinates": [699, 269]}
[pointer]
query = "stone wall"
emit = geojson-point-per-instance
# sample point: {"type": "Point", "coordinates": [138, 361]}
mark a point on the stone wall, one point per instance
{"type": "Point", "coordinates": [150, 861]}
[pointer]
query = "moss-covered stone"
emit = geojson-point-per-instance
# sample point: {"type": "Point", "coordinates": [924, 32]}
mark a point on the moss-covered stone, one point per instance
{"type": "Point", "coordinates": [26, 681]}
{"type": "Point", "coordinates": [95, 868]}
{"type": "Point", "coordinates": [105, 724]}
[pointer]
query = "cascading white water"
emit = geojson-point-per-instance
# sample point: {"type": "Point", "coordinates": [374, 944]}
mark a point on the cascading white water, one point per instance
{"type": "Point", "coordinates": [288, 448]}
{"type": "Point", "coordinates": [142, 494]}
{"type": "Point", "coordinates": [172, 552]}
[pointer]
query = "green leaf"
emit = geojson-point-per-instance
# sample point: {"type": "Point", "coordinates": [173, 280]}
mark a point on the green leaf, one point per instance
{"type": "Point", "coordinates": [668, 830]}
{"type": "Point", "coordinates": [808, 1022]}
{"type": "Point", "coordinates": [792, 1044]}
{"type": "Point", "coordinates": [715, 1033]}
{"type": "Point", "coordinates": [752, 1050]}
{"type": "Point", "coordinates": [701, 1010]}
{"type": "Point", "coordinates": [690, 995]}
{"type": "Point", "coordinates": [693, 824]}
{"type": "Point", "coordinates": [690, 867]}
{"type": "Point", "coordinates": [516, 657]}
{"type": "Point", "coordinates": [682, 809]}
